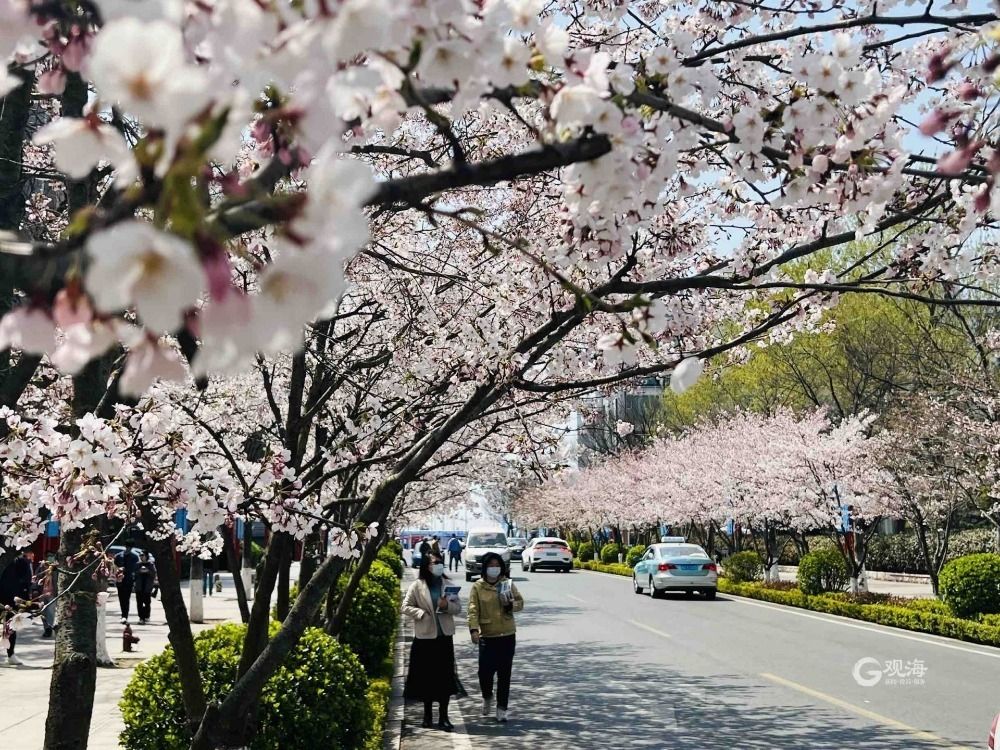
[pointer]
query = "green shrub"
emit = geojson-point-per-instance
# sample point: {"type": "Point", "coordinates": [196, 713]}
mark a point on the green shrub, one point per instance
{"type": "Point", "coordinates": [586, 551]}
{"type": "Point", "coordinates": [370, 625]}
{"type": "Point", "coordinates": [385, 576]}
{"type": "Point", "coordinates": [822, 570]}
{"type": "Point", "coordinates": [970, 585]}
{"type": "Point", "coordinates": [379, 692]}
{"type": "Point", "coordinates": [574, 547]}
{"type": "Point", "coordinates": [610, 552]}
{"type": "Point", "coordinates": [634, 555]}
{"type": "Point", "coordinates": [935, 606]}
{"type": "Point", "coordinates": [315, 699]}
{"type": "Point", "coordinates": [390, 558]}
{"type": "Point", "coordinates": [744, 566]}
{"type": "Point", "coordinates": [394, 546]}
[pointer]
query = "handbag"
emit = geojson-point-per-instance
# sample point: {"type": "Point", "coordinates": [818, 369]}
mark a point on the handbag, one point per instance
{"type": "Point", "coordinates": [154, 592]}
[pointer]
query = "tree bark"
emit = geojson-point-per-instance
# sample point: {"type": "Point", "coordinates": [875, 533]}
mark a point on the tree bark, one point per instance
{"type": "Point", "coordinates": [74, 670]}
{"type": "Point", "coordinates": [235, 567]}
{"type": "Point", "coordinates": [195, 588]}
{"type": "Point", "coordinates": [179, 633]}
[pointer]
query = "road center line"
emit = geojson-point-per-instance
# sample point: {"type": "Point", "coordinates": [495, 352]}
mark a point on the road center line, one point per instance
{"type": "Point", "coordinates": [576, 599]}
{"type": "Point", "coordinates": [834, 620]}
{"type": "Point", "coordinates": [864, 712]}
{"type": "Point", "coordinates": [651, 630]}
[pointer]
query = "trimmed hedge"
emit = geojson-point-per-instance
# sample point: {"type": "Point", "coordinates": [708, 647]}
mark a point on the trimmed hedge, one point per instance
{"type": "Point", "coordinates": [384, 576]}
{"type": "Point", "coordinates": [634, 555]}
{"type": "Point", "coordinates": [315, 699]}
{"type": "Point", "coordinates": [370, 624]}
{"type": "Point", "coordinates": [919, 615]}
{"type": "Point", "coordinates": [822, 570]}
{"type": "Point", "coordinates": [390, 558]}
{"type": "Point", "coordinates": [744, 566]}
{"type": "Point", "coordinates": [610, 552]}
{"type": "Point", "coordinates": [970, 585]}
{"type": "Point", "coordinates": [586, 551]}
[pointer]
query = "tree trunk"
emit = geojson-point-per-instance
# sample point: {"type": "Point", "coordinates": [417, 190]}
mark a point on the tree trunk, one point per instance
{"type": "Point", "coordinates": [101, 639]}
{"type": "Point", "coordinates": [196, 589]}
{"type": "Point", "coordinates": [74, 670]}
{"type": "Point", "coordinates": [179, 627]}
{"type": "Point", "coordinates": [234, 567]}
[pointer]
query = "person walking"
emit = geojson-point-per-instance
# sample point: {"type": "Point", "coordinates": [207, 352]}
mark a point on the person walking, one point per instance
{"type": "Point", "coordinates": [208, 576]}
{"type": "Point", "coordinates": [436, 547]}
{"type": "Point", "coordinates": [15, 583]}
{"type": "Point", "coordinates": [454, 553]}
{"type": "Point", "coordinates": [431, 677]}
{"type": "Point", "coordinates": [492, 604]}
{"type": "Point", "coordinates": [145, 585]}
{"type": "Point", "coordinates": [126, 562]}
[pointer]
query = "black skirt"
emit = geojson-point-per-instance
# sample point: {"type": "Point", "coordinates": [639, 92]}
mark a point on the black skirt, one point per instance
{"type": "Point", "coordinates": [431, 674]}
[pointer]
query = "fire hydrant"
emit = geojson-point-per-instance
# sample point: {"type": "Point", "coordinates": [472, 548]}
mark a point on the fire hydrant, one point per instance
{"type": "Point", "coordinates": [128, 639]}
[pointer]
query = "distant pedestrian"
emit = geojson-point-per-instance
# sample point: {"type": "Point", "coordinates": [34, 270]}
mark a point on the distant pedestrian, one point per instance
{"type": "Point", "coordinates": [454, 553]}
{"type": "Point", "coordinates": [126, 562]}
{"type": "Point", "coordinates": [425, 547]}
{"type": "Point", "coordinates": [208, 576]}
{"type": "Point", "coordinates": [15, 583]}
{"type": "Point", "coordinates": [145, 585]}
{"type": "Point", "coordinates": [492, 604]}
{"type": "Point", "coordinates": [436, 547]}
{"type": "Point", "coordinates": [431, 677]}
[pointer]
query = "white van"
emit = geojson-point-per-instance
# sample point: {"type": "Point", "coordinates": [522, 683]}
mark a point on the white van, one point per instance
{"type": "Point", "coordinates": [478, 543]}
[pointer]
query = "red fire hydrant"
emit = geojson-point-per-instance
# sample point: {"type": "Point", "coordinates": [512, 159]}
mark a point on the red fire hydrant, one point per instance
{"type": "Point", "coordinates": [128, 639]}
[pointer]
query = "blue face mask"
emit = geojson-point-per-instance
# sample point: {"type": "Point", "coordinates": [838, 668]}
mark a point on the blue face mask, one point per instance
{"type": "Point", "coordinates": [492, 573]}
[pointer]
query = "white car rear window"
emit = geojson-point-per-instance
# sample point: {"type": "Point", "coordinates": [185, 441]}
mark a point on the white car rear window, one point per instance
{"type": "Point", "coordinates": [488, 540]}
{"type": "Point", "coordinates": [682, 550]}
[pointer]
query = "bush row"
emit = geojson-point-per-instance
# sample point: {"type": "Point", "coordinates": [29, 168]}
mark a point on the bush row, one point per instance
{"type": "Point", "coordinates": [899, 553]}
{"type": "Point", "coordinates": [326, 694]}
{"type": "Point", "coordinates": [920, 615]}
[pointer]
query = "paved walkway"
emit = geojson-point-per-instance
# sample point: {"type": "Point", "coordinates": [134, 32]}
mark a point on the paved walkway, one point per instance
{"type": "Point", "coordinates": [25, 689]}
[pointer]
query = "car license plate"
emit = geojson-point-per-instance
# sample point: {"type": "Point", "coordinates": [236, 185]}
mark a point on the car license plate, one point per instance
{"type": "Point", "coordinates": [689, 567]}
{"type": "Point", "coordinates": [551, 554]}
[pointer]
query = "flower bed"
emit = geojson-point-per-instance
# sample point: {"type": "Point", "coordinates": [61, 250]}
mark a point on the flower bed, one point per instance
{"type": "Point", "coordinates": [919, 615]}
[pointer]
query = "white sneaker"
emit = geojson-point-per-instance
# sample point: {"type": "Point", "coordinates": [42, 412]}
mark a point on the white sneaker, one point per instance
{"type": "Point", "coordinates": [124, 621]}
{"type": "Point", "coordinates": [501, 715]}
{"type": "Point", "coordinates": [14, 661]}
{"type": "Point", "coordinates": [487, 706]}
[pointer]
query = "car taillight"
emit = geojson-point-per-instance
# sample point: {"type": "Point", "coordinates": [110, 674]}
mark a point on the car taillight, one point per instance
{"type": "Point", "coordinates": [710, 566]}
{"type": "Point", "coordinates": [666, 566]}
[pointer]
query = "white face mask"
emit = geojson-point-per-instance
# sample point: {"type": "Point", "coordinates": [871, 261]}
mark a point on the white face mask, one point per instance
{"type": "Point", "coordinates": [493, 573]}
{"type": "Point", "coordinates": [437, 570]}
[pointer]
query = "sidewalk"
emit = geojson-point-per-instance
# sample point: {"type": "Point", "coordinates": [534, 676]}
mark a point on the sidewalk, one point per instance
{"type": "Point", "coordinates": [25, 689]}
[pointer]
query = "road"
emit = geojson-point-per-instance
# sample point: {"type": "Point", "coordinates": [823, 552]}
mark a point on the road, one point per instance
{"type": "Point", "coordinates": [598, 666]}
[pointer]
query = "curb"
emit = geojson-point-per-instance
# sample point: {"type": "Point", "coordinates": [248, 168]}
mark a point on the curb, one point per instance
{"type": "Point", "coordinates": [392, 732]}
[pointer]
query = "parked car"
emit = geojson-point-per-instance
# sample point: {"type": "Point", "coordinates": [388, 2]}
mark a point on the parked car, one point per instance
{"type": "Point", "coordinates": [675, 566]}
{"type": "Point", "coordinates": [478, 544]}
{"type": "Point", "coordinates": [994, 739]}
{"type": "Point", "coordinates": [547, 552]}
{"type": "Point", "coordinates": [516, 545]}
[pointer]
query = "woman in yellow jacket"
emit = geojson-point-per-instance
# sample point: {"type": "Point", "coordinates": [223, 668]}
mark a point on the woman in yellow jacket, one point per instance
{"type": "Point", "coordinates": [492, 604]}
{"type": "Point", "coordinates": [431, 676]}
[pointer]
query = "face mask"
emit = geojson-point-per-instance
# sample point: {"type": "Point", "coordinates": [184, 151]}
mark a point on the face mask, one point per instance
{"type": "Point", "coordinates": [437, 570]}
{"type": "Point", "coordinates": [493, 573]}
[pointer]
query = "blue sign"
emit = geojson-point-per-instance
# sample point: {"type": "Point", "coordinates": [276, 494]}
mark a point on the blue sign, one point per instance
{"type": "Point", "coordinates": [239, 528]}
{"type": "Point", "coordinates": [180, 519]}
{"type": "Point", "coordinates": [52, 529]}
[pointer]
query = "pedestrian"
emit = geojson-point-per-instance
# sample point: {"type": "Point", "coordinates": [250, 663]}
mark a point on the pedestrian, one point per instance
{"type": "Point", "coordinates": [454, 553]}
{"type": "Point", "coordinates": [425, 547]}
{"type": "Point", "coordinates": [47, 579]}
{"type": "Point", "coordinates": [492, 604]}
{"type": "Point", "coordinates": [126, 562]}
{"type": "Point", "coordinates": [436, 547]}
{"type": "Point", "coordinates": [15, 583]}
{"type": "Point", "coordinates": [431, 677]}
{"type": "Point", "coordinates": [145, 585]}
{"type": "Point", "coordinates": [208, 577]}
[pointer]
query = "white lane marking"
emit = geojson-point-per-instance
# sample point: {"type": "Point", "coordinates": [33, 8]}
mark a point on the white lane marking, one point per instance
{"type": "Point", "coordinates": [834, 620]}
{"type": "Point", "coordinates": [864, 712]}
{"type": "Point", "coordinates": [651, 630]}
{"type": "Point", "coordinates": [576, 599]}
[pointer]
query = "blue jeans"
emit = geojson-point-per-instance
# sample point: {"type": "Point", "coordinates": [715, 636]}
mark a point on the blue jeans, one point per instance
{"type": "Point", "coordinates": [207, 583]}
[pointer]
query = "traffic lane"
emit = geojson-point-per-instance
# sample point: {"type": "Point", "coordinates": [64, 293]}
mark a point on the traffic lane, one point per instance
{"type": "Point", "coordinates": [740, 643]}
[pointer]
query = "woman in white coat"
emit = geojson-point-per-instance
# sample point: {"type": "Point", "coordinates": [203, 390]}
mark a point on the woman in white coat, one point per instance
{"type": "Point", "coordinates": [431, 677]}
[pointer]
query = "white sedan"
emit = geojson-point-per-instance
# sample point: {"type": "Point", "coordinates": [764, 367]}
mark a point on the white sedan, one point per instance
{"type": "Point", "coordinates": [547, 552]}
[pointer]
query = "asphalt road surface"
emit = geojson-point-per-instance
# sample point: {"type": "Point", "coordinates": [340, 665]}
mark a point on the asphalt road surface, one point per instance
{"type": "Point", "coordinates": [598, 666]}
